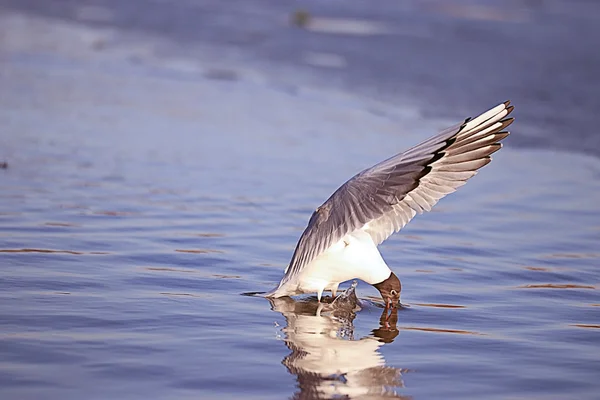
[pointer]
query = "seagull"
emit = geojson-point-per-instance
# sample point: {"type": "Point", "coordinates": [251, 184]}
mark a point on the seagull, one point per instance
{"type": "Point", "coordinates": [341, 239]}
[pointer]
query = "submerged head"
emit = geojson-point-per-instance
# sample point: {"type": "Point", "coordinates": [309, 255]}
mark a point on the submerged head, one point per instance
{"type": "Point", "coordinates": [390, 290]}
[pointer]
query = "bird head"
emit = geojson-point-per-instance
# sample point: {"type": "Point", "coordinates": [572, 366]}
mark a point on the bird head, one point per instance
{"type": "Point", "coordinates": [390, 290]}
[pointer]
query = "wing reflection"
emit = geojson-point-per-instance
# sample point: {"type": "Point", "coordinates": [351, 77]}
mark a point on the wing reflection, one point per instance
{"type": "Point", "coordinates": [326, 358]}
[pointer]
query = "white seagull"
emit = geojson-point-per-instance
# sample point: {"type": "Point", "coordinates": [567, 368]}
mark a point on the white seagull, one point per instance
{"type": "Point", "coordinates": [341, 239]}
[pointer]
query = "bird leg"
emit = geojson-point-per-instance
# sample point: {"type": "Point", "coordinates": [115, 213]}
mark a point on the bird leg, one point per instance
{"type": "Point", "coordinates": [334, 292]}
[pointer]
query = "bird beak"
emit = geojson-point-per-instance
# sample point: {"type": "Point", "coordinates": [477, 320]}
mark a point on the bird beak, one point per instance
{"type": "Point", "coordinates": [391, 302]}
{"type": "Point", "coordinates": [391, 307]}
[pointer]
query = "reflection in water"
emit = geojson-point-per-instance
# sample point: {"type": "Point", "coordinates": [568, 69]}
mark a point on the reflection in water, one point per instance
{"type": "Point", "coordinates": [326, 358]}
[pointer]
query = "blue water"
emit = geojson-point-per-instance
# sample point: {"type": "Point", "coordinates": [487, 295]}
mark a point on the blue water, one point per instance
{"type": "Point", "coordinates": [141, 200]}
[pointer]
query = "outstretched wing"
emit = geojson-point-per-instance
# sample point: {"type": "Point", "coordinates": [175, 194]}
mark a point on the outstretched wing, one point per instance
{"type": "Point", "coordinates": [384, 198]}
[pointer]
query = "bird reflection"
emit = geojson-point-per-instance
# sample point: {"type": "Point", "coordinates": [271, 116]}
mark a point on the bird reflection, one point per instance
{"type": "Point", "coordinates": [326, 358]}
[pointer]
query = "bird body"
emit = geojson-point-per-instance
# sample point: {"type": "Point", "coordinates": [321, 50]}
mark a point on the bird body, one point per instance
{"type": "Point", "coordinates": [341, 239]}
{"type": "Point", "coordinates": [353, 256]}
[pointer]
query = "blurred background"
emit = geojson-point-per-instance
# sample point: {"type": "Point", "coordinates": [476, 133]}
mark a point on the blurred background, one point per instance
{"type": "Point", "coordinates": [446, 58]}
{"type": "Point", "coordinates": [160, 157]}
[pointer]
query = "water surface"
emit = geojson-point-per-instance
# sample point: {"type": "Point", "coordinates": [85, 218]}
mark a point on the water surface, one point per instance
{"type": "Point", "coordinates": [140, 202]}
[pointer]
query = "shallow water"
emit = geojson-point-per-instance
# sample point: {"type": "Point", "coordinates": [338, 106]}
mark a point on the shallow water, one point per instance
{"type": "Point", "coordinates": [139, 203]}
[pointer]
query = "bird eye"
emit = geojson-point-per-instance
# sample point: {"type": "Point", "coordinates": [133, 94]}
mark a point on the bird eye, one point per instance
{"type": "Point", "coordinates": [393, 292]}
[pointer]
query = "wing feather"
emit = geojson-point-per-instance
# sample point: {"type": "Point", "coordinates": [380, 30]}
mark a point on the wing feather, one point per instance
{"type": "Point", "coordinates": [384, 198]}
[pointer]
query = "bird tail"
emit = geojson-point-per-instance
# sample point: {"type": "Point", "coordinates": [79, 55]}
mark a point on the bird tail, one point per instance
{"type": "Point", "coordinates": [280, 291]}
{"type": "Point", "coordinates": [274, 293]}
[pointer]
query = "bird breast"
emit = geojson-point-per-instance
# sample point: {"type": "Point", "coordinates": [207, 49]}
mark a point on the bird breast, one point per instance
{"type": "Point", "coordinates": [354, 256]}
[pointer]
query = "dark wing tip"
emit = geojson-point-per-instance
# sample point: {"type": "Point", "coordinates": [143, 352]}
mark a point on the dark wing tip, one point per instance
{"type": "Point", "coordinates": [501, 136]}
{"type": "Point", "coordinates": [465, 122]}
{"type": "Point", "coordinates": [494, 148]}
{"type": "Point", "coordinates": [506, 122]}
